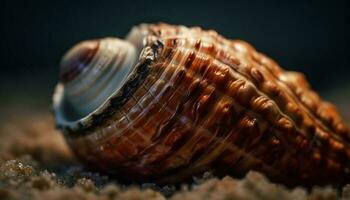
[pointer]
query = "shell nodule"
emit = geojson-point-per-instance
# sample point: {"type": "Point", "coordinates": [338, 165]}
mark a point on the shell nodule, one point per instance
{"type": "Point", "coordinates": [169, 102]}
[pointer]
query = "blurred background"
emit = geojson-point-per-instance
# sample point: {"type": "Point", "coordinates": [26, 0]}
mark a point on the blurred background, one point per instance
{"type": "Point", "coordinates": [308, 36]}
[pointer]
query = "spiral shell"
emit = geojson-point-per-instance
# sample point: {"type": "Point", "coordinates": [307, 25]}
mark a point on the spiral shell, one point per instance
{"type": "Point", "coordinates": [169, 102]}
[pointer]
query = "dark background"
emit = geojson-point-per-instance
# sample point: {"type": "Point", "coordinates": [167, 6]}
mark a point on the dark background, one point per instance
{"type": "Point", "coordinates": [307, 36]}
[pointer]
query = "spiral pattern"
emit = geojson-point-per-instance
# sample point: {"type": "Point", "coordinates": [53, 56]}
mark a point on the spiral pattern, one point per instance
{"type": "Point", "coordinates": [197, 101]}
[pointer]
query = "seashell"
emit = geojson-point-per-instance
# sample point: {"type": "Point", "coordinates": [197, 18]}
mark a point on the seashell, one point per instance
{"type": "Point", "coordinates": [170, 102]}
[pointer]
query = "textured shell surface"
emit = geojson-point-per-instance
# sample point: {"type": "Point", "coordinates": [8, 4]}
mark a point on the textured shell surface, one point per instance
{"type": "Point", "coordinates": [169, 102]}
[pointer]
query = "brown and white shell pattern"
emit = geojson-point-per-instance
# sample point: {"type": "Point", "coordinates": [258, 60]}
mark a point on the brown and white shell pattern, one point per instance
{"type": "Point", "coordinates": [172, 102]}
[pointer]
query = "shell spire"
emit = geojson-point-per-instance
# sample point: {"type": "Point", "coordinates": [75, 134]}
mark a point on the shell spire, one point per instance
{"type": "Point", "coordinates": [169, 102]}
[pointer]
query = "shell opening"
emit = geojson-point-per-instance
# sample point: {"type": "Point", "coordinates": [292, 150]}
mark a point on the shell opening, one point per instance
{"type": "Point", "coordinates": [91, 72]}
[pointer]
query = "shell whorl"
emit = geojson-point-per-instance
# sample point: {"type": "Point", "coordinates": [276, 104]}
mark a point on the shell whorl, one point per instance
{"type": "Point", "coordinates": [91, 72]}
{"type": "Point", "coordinates": [196, 101]}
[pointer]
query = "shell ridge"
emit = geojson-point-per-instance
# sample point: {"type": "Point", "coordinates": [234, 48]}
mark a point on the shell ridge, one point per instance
{"type": "Point", "coordinates": [297, 100]}
{"type": "Point", "coordinates": [311, 115]}
{"type": "Point", "coordinates": [162, 78]}
{"type": "Point", "coordinates": [268, 69]}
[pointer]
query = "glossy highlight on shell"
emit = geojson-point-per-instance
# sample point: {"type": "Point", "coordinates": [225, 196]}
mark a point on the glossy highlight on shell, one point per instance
{"type": "Point", "coordinates": [169, 102]}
